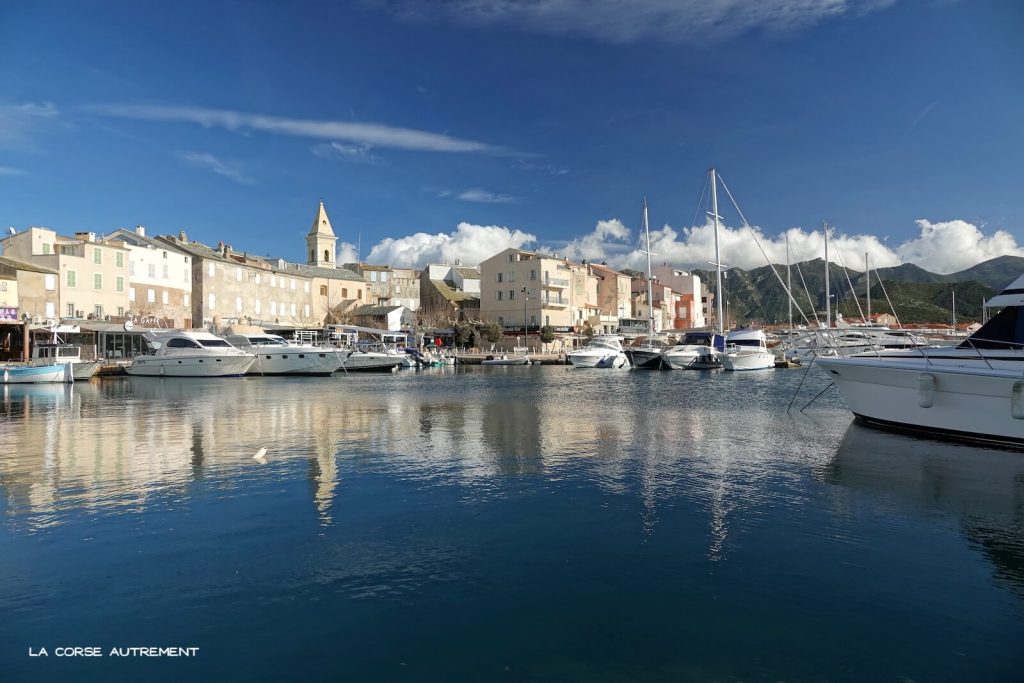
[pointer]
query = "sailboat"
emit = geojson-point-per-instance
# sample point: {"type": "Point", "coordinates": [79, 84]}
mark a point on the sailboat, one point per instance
{"type": "Point", "coordinates": [647, 356]}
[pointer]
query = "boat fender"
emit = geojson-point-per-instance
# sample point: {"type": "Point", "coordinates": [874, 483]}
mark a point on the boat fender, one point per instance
{"type": "Point", "coordinates": [1017, 400]}
{"type": "Point", "coordinates": [926, 390]}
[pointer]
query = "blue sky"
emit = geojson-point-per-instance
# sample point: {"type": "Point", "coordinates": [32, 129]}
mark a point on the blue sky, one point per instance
{"type": "Point", "coordinates": [443, 130]}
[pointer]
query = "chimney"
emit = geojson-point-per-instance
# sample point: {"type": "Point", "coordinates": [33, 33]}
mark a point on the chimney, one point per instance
{"type": "Point", "coordinates": [182, 237]}
{"type": "Point", "coordinates": [140, 230]}
{"type": "Point", "coordinates": [85, 236]}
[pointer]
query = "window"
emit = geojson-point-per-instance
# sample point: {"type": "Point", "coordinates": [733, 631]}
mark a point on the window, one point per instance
{"type": "Point", "coordinates": [187, 300]}
{"type": "Point", "coordinates": [511, 294]}
{"type": "Point", "coordinates": [305, 311]}
{"type": "Point", "coordinates": [51, 309]}
{"type": "Point", "coordinates": [212, 300]}
{"type": "Point", "coordinates": [293, 310]}
{"type": "Point", "coordinates": [151, 296]}
{"type": "Point", "coordinates": [182, 343]}
{"type": "Point", "coordinates": [165, 298]}
{"type": "Point", "coordinates": [499, 295]}
{"type": "Point", "coordinates": [344, 292]}
{"type": "Point", "coordinates": [97, 311]}
{"type": "Point", "coordinates": [46, 250]}
{"type": "Point", "coordinates": [501, 320]}
{"type": "Point", "coordinates": [292, 282]}
{"type": "Point", "coordinates": [151, 270]}
{"type": "Point", "coordinates": [119, 259]}
{"type": "Point", "coordinates": [273, 308]}
{"type": "Point", "coordinates": [327, 255]}
{"type": "Point", "coordinates": [257, 306]}
{"type": "Point", "coordinates": [120, 311]}
{"type": "Point", "coordinates": [306, 286]}
{"type": "Point", "coordinates": [238, 304]}
{"type": "Point", "coordinates": [533, 274]}
{"type": "Point", "coordinates": [97, 256]}
{"type": "Point", "coordinates": [119, 282]}
{"type": "Point", "coordinates": [165, 254]}
{"type": "Point", "coordinates": [167, 271]}
{"type": "Point", "coordinates": [280, 281]}
{"type": "Point", "coordinates": [373, 276]}
{"type": "Point", "coordinates": [359, 294]}
{"type": "Point", "coordinates": [383, 277]}
{"type": "Point", "coordinates": [72, 278]}
{"type": "Point", "coordinates": [511, 258]}
{"type": "Point", "coordinates": [97, 280]}
{"type": "Point", "coordinates": [238, 274]}
{"type": "Point", "coordinates": [211, 270]}
{"type": "Point", "coordinates": [131, 294]}
{"type": "Point", "coordinates": [323, 291]}
{"type": "Point", "coordinates": [71, 311]}
{"type": "Point", "coordinates": [500, 276]}
{"type": "Point", "coordinates": [131, 268]}
{"type": "Point", "coordinates": [273, 281]}
{"type": "Point", "coordinates": [50, 282]}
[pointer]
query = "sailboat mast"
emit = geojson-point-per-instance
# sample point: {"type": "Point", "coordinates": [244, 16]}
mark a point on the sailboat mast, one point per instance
{"type": "Point", "coordinates": [867, 284]}
{"type": "Point", "coordinates": [789, 286]}
{"type": "Point", "coordinates": [718, 256]}
{"type": "Point", "coordinates": [828, 297]}
{"type": "Point", "coordinates": [650, 287]}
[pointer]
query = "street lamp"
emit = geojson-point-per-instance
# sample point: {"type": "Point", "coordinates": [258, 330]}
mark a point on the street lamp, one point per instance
{"type": "Point", "coordinates": [526, 325]}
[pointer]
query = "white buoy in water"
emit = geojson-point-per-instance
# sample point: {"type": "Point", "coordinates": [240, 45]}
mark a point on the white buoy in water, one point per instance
{"type": "Point", "coordinates": [261, 456]}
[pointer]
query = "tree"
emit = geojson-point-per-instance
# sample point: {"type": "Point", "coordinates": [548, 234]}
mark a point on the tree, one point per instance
{"type": "Point", "coordinates": [463, 331]}
{"type": "Point", "coordinates": [490, 332]}
{"type": "Point", "coordinates": [547, 334]}
{"type": "Point", "coordinates": [588, 333]}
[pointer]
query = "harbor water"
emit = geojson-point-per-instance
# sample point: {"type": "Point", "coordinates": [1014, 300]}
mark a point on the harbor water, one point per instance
{"type": "Point", "coordinates": [498, 523]}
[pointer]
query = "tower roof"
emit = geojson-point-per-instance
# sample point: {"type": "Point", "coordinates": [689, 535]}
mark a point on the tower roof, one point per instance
{"type": "Point", "coordinates": [321, 224]}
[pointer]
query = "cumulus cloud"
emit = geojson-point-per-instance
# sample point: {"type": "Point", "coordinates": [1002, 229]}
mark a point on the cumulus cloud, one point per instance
{"type": "Point", "coordinates": [229, 169]}
{"type": "Point", "coordinates": [952, 246]}
{"type": "Point", "coordinates": [614, 21]}
{"type": "Point", "coordinates": [365, 134]}
{"type": "Point", "coordinates": [470, 243]}
{"type": "Point", "coordinates": [945, 247]}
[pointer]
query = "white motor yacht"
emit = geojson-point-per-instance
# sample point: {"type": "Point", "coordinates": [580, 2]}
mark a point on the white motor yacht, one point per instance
{"type": "Point", "coordinates": [974, 391]}
{"type": "Point", "coordinates": [277, 356]}
{"type": "Point", "coordinates": [697, 350]}
{"type": "Point", "coordinates": [190, 353]}
{"type": "Point", "coordinates": [747, 350]}
{"type": "Point", "coordinates": [603, 351]}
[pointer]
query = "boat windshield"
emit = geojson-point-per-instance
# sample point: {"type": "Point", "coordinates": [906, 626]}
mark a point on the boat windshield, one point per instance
{"type": "Point", "coordinates": [1004, 331]}
{"type": "Point", "coordinates": [214, 343]}
{"type": "Point", "coordinates": [697, 339]}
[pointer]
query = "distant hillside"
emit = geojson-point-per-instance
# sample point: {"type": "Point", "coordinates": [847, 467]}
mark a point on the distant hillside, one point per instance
{"type": "Point", "coordinates": [917, 295]}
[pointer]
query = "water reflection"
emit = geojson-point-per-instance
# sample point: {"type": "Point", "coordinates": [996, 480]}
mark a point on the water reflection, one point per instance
{"type": "Point", "coordinates": [982, 488]}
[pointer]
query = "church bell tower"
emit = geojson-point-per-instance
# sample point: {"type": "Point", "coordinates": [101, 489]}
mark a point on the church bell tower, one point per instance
{"type": "Point", "coordinates": [321, 242]}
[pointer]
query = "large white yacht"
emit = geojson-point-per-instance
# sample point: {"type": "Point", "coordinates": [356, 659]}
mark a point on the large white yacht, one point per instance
{"type": "Point", "coordinates": [277, 356]}
{"type": "Point", "coordinates": [972, 391]}
{"type": "Point", "coordinates": [190, 353]}
{"type": "Point", "coordinates": [747, 350]}
{"type": "Point", "coordinates": [603, 351]}
{"type": "Point", "coordinates": [698, 350]}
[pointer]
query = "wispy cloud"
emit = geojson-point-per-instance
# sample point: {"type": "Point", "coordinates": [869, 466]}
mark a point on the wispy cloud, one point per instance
{"type": "Point", "coordinates": [924, 112]}
{"type": "Point", "coordinates": [482, 196]}
{"type": "Point", "coordinates": [231, 170]}
{"type": "Point", "coordinates": [615, 21]}
{"type": "Point", "coordinates": [366, 134]}
{"type": "Point", "coordinates": [354, 153]}
{"type": "Point", "coordinates": [18, 122]}
{"type": "Point", "coordinates": [7, 170]}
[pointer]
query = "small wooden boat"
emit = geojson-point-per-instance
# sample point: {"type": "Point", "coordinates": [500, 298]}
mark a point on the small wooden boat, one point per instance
{"type": "Point", "coordinates": [36, 374]}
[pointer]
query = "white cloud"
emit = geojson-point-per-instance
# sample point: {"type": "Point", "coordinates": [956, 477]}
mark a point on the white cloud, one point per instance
{"type": "Point", "coordinates": [479, 195]}
{"type": "Point", "coordinates": [366, 134]}
{"type": "Point", "coordinates": [337, 150]}
{"type": "Point", "coordinates": [229, 169]}
{"type": "Point", "coordinates": [945, 247]}
{"type": "Point", "coordinates": [952, 246]}
{"type": "Point", "coordinates": [19, 121]}
{"type": "Point", "coordinates": [470, 243]}
{"type": "Point", "coordinates": [615, 21]}
{"type": "Point", "coordinates": [7, 170]}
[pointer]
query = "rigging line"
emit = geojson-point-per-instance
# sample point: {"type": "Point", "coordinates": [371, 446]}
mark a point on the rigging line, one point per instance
{"type": "Point", "coordinates": [830, 385]}
{"type": "Point", "coordinates": [701, 201]}
{"type": "Point", "coordinates": [758, 243]}
{"type": "Point", "coordinates": [846, 272]}
{"type": "Point", "coordinates": [889, 301]}
{"type": "Point", "coordinates": [798, 386]}
{"type": "Point", "coordinates": [799, 272]}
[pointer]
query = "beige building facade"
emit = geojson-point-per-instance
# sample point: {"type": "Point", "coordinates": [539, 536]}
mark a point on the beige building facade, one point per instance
{"type": "Point", "coordinates": [159, 279]}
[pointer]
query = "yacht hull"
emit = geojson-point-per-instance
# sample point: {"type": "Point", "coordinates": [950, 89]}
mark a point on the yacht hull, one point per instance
{"type": "Point", "coordinates": [973, 400]}
{"type": "Point", "coordinates": [760, 360]}
{"type": "Point", "coordinates": [191, 366]}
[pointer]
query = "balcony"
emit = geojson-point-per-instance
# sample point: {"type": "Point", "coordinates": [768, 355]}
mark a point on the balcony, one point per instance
{"type": "Point", "coordinates": [555, 283]}
{"type": "Point", "coordinates": [556, 303]}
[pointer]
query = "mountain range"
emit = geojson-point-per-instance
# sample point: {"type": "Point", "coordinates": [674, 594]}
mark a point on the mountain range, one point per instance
{"type": "Point", "coordinates": [911, 293]}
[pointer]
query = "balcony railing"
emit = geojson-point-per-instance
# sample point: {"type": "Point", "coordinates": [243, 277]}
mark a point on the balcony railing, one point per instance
{"type": "Point", "coordinates": [555, 282]}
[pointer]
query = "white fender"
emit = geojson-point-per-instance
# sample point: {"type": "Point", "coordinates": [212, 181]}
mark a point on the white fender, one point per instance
{"type": "Point", "coordinates": [926, 390]}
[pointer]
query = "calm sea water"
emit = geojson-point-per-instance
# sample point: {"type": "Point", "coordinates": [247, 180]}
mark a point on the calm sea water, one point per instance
{"type": "Point", "coordinates": [520, 524]}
